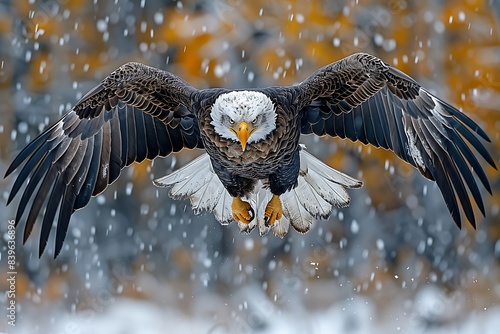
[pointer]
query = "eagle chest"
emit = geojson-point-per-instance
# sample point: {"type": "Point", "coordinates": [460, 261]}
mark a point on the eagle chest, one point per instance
{"type": "Point", "coordinates": [260, 159]}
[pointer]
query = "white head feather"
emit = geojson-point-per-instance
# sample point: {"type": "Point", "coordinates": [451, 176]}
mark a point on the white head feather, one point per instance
{"type": "Point", "coordinates": [252, 107]}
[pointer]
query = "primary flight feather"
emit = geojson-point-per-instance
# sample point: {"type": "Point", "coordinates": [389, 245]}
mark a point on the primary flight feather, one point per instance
{"type": "Point", "coordinates": [254, 171]}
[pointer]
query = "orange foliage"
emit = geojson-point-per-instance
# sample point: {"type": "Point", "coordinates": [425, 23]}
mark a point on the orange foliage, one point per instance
{"type": "Point", "coordinates": [40, 71]}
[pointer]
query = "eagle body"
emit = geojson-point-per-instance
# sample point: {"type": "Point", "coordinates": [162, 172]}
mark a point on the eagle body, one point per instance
{"type": "Point", "coordinates": [254, 170]}
{"type": "Point", "coordinates": [275, 159]}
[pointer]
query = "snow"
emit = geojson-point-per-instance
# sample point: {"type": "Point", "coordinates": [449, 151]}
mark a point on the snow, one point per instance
{"type": "Point", "coordinates": [376, 267]}
{"type": "Point", "coordinates": [248, 310]}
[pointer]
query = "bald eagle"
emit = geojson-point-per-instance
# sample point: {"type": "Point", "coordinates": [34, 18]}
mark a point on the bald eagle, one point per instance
{"type": "Point", "coordinates": [254, 170]}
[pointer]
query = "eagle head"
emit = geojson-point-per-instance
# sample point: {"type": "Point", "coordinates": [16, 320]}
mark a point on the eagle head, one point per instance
{"type": "Point", "coordinates": [243, 116]}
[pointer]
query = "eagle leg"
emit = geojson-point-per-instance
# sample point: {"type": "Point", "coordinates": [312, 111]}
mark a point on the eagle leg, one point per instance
{"type": "Point", "coordinates": [274, 211]}
{"type": "Point", "coordinates": [242, 211]}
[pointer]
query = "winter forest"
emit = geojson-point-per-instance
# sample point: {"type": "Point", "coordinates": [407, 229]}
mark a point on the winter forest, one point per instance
{"type": "Point", "coordinates": [137, 261]}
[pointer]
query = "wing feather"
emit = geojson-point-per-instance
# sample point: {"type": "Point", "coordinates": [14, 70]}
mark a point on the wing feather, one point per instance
{"type": "Point", "coordinates": [50, 213]}
{"type": "Point", "coordinates": [362, 98]}
{"type": "Point", "coordinates": [115, 160]}
{"type": "Point", "coordinates": [102, 175]}
{"type": "Point", "coordinates": [151, 138]}
{"type": "Point", "coordinates": [29, 191]}
{"type": "Point", "coordinates": [137, 112]}
{"type": "Point", "coordinates": [142, 150]}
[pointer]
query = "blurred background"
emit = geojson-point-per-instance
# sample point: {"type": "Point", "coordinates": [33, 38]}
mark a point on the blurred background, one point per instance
{"type": "Point", "coordinates": [136, 261]}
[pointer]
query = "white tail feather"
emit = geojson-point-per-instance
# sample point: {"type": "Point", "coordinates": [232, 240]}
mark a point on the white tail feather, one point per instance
{"type": "Point", "coordinates": [319, 189]}
{"type": "Point", "coordinates": [198, 182]}
{"type": "Point", "coordinates": [222, 211]}
{"type": "Point", "coordinates": [308, 161]}
{"type": "Point", "coordinates": [295, 212]}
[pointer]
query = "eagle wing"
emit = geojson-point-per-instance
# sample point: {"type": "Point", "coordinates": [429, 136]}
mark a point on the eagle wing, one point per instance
{"type": "Point", "coordinates": [137, 112]}
{"type": "Point", "coordinates": [362, 98]}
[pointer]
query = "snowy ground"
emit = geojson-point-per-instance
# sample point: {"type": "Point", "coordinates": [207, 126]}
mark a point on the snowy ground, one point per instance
{"type": "Point", "coordinates": [141, 317]}
{"type": "Point", "coordinates": [249, 310]}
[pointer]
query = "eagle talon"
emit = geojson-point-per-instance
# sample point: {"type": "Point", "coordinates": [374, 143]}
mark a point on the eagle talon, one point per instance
{"type": "Point", "coordinates": [252, 214]}
{"type": "Point", "coordinates": [274, 211]}
{"type": "Point", "coordinates": [242, 211]}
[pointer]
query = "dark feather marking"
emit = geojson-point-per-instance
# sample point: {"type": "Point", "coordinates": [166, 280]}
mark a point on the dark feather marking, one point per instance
{"type": "Point", "coordinates": [31, 187]}
{"type": "Point", "coordinates": [376, 126]}
{"type": "Point", "coordinates": [164, 141]}
{"type": "Point", "coordinates": [445, 186]}
{"type": "Point", "coordinates": [459, 187]}
{"type": "Point", "coordinates": [349, 126]}
{"type": "Point", "coordinates": [32, 164]}
{"type": "Point", "coordinates": [74, 166]}
{"type": "Point", "coordinates": [62, 147]}
{"type": "Point", "coordinates": [383, 117]}
{"type": "Point", "coordinates": [65, 212]}
{"type": "Point", "coordinates": [115, 160]}
{"type": "Point", "coordinates": [50, 213]}
{"type": "Point", "coordinates": [339, 126]}
{"type": "Point", "coordinates": [141, 142]}
{"type": "Point", "coordinates": [465, 119]}
{"type": "Point", "coordinates": [102, 177]}
{"type": "Point", "coordinates": [466, 174]}
{"type": "Point", "coordinates": [38, 200]}
{"type": "Point", "coordinates": [329, 126]}
{"type": "Point", "coordinates": [28, 150]}
{"type": "Point", "coordinates": [93, 167]}
{"type": "Point", "coordinates": [471, 158]}
{"type": "Point", "coordinates": [131, 135]}
{"type": "Point", "coordinates": [151, 137]}
{"type": "Point", "coordinates": [367, 125]}
{"type": "Point", "coordinates": [69, 120]}
{"type": "Point", "coordinates": [475, 142]}
{"type": "Point", "coordinates": [123, 117]}
{"type": "Point", "coordinates": [63, 159]}
{"type": "Point", "coordinates": [68, 205]}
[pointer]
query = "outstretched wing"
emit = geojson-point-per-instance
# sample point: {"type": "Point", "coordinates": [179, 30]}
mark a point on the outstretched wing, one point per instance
{"type": "Point", "coordinates": [137, 112]}
{"type": "Point", "coordinates": [362, 98]}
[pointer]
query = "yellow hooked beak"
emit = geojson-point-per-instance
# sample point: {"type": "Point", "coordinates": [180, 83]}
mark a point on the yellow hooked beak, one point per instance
{"type": "Point", "coordinates": [243, 131]}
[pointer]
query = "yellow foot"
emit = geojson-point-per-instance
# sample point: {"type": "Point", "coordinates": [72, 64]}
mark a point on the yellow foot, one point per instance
{"type": "Point", "coordinates": [242, 210]}
{"type": "Point", "coordinates": [274, 211]}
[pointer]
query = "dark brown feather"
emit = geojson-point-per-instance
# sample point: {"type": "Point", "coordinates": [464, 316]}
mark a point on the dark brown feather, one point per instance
{"type": "Point", "coordinates": [365, 99]}
{"type": "Point", "coordinates": [124, 119]}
